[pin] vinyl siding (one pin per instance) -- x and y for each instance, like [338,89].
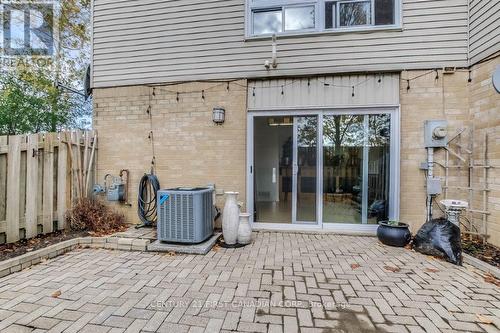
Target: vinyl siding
[309,93]
[484,29]
[152,41]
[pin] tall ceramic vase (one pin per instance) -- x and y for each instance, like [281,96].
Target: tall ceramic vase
[244,230]
[230,218]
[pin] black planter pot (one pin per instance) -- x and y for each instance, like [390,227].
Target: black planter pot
[394,235]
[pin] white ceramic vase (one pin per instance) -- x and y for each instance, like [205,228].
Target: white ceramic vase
[244,229]
[230,218]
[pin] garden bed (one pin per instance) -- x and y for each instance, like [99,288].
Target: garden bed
[23,246]
[484,252]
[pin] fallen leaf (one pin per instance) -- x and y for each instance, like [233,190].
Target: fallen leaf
[216,248]
[489,278]
[171,254]
[56,294]
[392,269]
[431,270]
[484,319]
[354,266]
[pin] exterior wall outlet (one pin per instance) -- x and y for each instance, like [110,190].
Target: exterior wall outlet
[435,133]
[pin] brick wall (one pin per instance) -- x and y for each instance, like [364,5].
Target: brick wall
[473,106]
[485,116]
[430,97]
[190,149]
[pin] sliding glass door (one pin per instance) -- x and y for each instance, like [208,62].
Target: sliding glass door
[322,169]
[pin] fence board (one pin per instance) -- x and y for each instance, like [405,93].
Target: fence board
[32,186]
[48,184]
[39,195]
[41,175]
[3,179]
[13,188]
[62,182]
[22,189]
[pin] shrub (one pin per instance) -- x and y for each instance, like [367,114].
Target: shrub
[92,215]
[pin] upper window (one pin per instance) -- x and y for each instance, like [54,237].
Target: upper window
[268,17]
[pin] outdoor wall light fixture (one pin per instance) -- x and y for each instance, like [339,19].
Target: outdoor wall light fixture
[218,115]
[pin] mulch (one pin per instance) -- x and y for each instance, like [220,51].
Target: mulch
[8,251]
[485,252]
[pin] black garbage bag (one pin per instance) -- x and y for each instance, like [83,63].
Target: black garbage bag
[440,238]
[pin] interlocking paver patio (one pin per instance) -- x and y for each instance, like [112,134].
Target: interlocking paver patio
[283,282]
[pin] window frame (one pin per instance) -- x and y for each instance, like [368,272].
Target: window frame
[252,5]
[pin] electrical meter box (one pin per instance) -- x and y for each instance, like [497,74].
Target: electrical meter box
[436,133]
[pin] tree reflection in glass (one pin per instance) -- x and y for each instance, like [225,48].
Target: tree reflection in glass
[354,13]
[307,145]
[379,144]
[343,140]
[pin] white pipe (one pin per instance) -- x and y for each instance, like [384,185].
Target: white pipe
[275,52]
[430,162]
[430,174]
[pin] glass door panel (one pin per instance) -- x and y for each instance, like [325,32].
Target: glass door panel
[273,162]
[343,142]
[306,168]
[379,145]
[356,168]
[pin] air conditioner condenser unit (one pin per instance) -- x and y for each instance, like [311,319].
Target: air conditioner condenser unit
[185,215]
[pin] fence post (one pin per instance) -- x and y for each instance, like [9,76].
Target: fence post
[13,190]
[32,186]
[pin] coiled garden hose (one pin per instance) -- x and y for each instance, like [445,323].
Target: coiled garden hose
[146,201]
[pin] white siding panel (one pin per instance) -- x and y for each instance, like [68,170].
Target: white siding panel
[484,29]
[324,91]
[151,41]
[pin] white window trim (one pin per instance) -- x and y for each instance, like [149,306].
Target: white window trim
[319,18]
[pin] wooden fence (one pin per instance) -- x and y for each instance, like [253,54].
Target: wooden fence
[40,176]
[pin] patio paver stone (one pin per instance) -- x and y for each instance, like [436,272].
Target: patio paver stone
[283,282]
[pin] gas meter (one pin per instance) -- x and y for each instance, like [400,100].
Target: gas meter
[115,189]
